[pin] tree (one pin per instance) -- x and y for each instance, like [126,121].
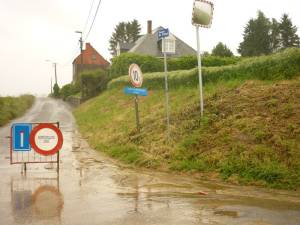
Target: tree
[124,32]
[288,33]
[221,50]
[257,40]
[275,35]
[56,90]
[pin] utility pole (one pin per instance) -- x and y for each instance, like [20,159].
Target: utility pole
[54,64]
[51,85]
[81,59]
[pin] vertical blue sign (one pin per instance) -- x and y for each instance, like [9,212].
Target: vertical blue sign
[20,136]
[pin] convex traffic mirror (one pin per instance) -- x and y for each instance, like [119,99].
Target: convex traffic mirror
[202,13]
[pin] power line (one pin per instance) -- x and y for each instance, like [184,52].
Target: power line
[87,20]
[93,20]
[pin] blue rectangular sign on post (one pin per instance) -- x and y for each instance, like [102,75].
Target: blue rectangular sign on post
[135,91]
[163,33]
[20,136]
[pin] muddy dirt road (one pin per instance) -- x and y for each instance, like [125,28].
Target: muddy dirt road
[90,189]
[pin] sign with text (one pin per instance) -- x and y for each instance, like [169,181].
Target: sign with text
[163,33]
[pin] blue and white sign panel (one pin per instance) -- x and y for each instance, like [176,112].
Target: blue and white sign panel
[163,33]
[20,136]
[135,91]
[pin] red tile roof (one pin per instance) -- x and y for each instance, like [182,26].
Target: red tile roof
[91,57]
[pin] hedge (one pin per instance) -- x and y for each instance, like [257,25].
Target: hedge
[93,82]
[13,107]
[282,65]
[120,64]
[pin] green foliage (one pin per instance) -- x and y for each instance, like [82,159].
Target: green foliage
[148,63]
[257,40]
[282,65]
[68,90]
[56,91]
[125,32]
[13,107]
[93,82]
[221,50]
[288,33]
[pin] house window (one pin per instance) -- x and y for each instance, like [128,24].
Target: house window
[169,45]
[93,57]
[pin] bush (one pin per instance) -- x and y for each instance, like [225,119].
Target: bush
[284,65]
[13,107]
[120,64]
[68,90]
[148,63]
[93,82]
[56,91]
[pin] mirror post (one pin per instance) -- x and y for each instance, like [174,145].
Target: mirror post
[199,71]
[166,91]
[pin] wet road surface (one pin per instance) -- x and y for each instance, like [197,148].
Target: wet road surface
[91,189]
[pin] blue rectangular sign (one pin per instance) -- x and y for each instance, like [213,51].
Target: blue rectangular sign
[163,33]
[135,91]
[20,136]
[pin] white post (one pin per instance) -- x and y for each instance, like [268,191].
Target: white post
[199,70]
[166,90]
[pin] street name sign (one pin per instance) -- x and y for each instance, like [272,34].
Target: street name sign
[135,91]
[163,33]
[20,136]
[135,75]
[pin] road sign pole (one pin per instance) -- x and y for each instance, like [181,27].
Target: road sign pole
[167,92]
[199,70]
[136,104]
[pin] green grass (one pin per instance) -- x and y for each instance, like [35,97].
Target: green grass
[250,132]
[13,107]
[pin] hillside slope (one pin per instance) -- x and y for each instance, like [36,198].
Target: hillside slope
[250,132]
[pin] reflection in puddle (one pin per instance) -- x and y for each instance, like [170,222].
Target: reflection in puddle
[233,214]
[36,199]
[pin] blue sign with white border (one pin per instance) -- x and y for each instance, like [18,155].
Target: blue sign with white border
[136,91]
[163,33]
[20,136]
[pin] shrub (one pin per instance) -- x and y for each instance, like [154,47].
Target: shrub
[13,107]
[120,64]
[68,90]
[93,82]
[56,90]
[284,65]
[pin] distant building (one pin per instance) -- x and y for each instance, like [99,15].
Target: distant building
[149,44]
[91,60]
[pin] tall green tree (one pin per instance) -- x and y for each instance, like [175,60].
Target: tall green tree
[288,33]
[275,35]
[257,40]
[221,50]
[124,32]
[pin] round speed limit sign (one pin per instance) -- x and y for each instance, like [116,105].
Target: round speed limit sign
[135,75]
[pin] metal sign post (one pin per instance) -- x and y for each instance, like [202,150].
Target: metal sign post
[162,34]
[167,94]
[136,79]
[199,71]
[202,17]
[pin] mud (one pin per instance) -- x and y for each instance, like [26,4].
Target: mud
[92,189]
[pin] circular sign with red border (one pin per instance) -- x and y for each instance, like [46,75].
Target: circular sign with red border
[46,139]
[135,75]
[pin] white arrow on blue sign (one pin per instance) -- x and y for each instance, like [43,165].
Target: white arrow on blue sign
[135,91]
[163,33]
[20,136]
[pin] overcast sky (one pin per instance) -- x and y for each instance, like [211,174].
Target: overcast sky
[33,31]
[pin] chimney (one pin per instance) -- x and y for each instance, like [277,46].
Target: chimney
[149,27]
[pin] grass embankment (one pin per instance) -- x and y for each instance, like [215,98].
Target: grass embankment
[250,132]
[13,107]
